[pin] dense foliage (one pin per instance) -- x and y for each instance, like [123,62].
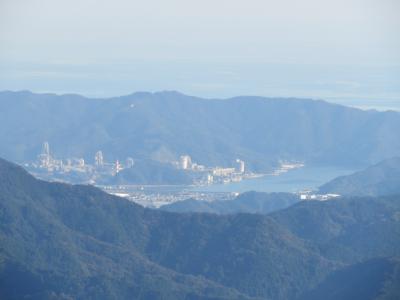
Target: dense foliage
[377,278]
[377,180]
[60,241]
[165,125]
[150,172]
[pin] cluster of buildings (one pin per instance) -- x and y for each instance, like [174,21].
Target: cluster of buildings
[48,165]
[46,162]
[51,164]
[311,195]
[214,174]
[156,196]
[115,167]
[59,169]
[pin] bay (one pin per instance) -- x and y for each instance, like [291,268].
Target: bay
[308,177]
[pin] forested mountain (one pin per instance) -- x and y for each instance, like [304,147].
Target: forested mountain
[76,242]
[380,179]
[382,276]
[150,172]
[64,241]
[347,229]
[248,202]
[165,125]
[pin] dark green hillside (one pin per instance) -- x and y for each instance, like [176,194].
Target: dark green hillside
[59,241]
[234,251]
[347,229]
[250,252]
[373,279]
[78,231]
[64,241]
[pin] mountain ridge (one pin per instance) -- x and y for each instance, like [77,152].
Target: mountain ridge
[77,239]
[165,125]
[380,179]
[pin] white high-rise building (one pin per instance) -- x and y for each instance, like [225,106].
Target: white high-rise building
[81,163]
[99,159]
[130,162]
[185,162]
[46,148]
[117,167]
[240,167]
[44,157]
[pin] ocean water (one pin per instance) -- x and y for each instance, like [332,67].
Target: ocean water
[366,87]
[292,181]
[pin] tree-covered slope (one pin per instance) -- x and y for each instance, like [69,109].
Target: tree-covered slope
[65,242]
[377,180]
[238,251]
[347,229]
[377,278]
[76,241]
[150,172]
[165,125]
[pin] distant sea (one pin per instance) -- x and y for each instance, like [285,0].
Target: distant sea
[292,181]
[362,86]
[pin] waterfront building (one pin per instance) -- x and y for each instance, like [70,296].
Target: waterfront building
[240,166]
[130,162]
[185,162]
[223,171]
[99,159]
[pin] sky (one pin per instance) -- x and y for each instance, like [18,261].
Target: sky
[343,50]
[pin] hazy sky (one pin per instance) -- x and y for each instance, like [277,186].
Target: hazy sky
[37,37]
[306,31]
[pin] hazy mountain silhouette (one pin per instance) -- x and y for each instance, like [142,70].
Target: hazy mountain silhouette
[380,179]
[165,125]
